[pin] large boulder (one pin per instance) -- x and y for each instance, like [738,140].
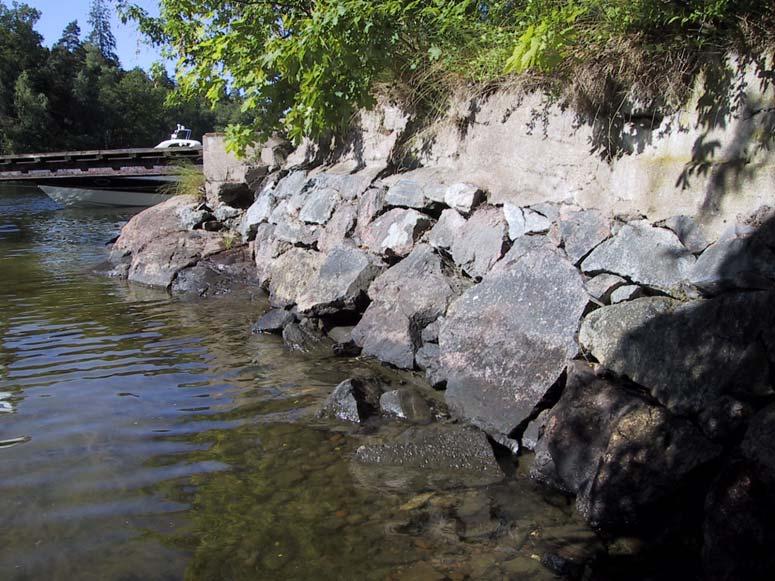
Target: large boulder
[395,233]
[405,298]
[153,223]
[686,354]
[581,231]
[291,274]
[738,535]
[340,282]
[618,452]
[646,255]
[481,241]
[505,341]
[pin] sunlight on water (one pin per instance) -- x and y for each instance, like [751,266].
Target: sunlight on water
[148,437]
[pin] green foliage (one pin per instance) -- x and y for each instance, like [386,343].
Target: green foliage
[305,66]
[76,95]
[190,182]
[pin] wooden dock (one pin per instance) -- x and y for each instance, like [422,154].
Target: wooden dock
[46,167]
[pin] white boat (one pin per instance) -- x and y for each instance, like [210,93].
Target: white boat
[95,198]
[181,137]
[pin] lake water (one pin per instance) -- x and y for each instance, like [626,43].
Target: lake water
[151,437]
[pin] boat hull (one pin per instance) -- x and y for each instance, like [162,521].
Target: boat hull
[95,198]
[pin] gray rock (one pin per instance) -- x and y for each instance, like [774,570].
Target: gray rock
[581,231]
[224,213]
[406,404]
[342,334]
[601,286]
[193,216]
[737,531]
[350,186]
[395,233]
[759,444]
[626,293]
[737,263]
[524,221]
[616,451]
[370,205]
[437,447]
[428,358]
[724,419]
[505,341]
[407,193]
[646,255]
[686,354]
[265,249]
[351,401]
[291,185]
[420,286]
[386,333]
[257,213]
[339,283]
[688,232]
[301,336]
[463,197]
[448,227]
[291,274]
[338,229]
[550,211]
[273,321]
[482,241]
[279,213]
[162,259]
[430,334]
[406,298]
[297,232]
[319,206]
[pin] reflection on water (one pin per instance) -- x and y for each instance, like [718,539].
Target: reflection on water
[148,437]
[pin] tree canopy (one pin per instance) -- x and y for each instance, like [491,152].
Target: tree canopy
[76,95]
[305,66]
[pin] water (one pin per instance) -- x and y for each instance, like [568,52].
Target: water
[152,437]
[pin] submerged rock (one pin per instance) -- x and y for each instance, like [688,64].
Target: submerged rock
[273,321]
[505,341]
[438,447]
[406,404]
[351,401]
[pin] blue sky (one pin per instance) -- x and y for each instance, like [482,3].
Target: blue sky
[131,47]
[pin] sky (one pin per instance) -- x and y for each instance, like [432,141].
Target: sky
[133,50]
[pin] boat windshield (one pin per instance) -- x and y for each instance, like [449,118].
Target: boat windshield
[181,133]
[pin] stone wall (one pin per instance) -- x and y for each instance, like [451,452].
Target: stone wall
[614,314]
